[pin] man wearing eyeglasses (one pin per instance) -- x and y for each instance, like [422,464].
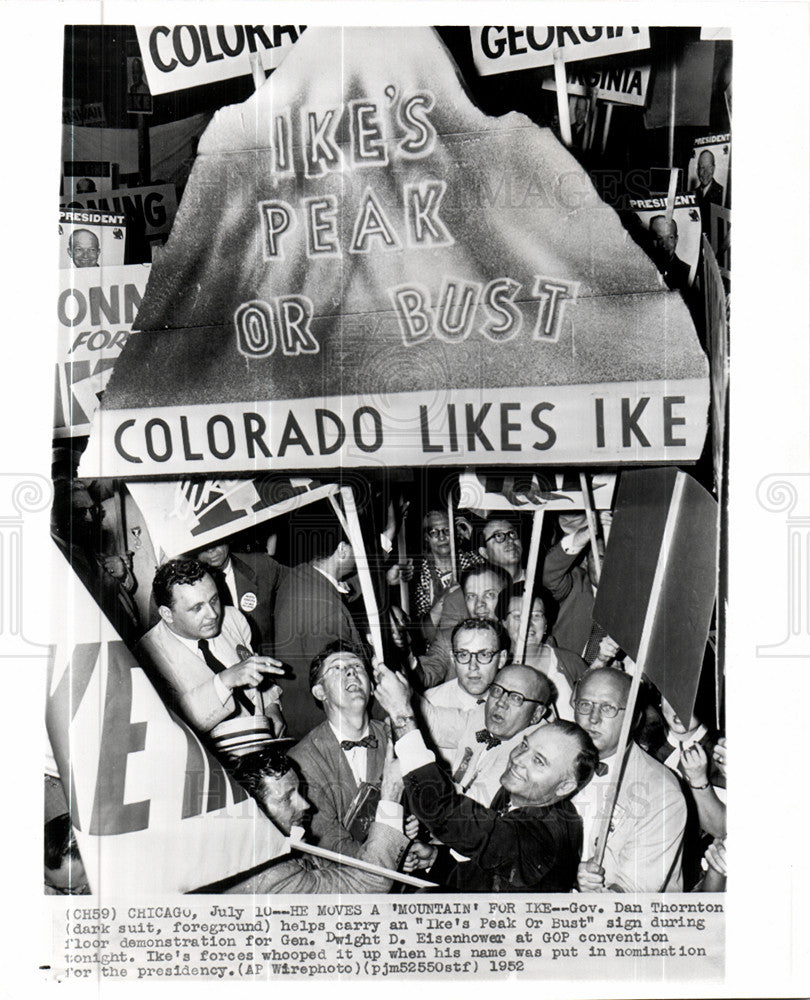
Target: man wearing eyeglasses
[478,648]
[344,754]
[502,550]
[501,546]
[477,597]
[643,851]
[477,743]
[528,839]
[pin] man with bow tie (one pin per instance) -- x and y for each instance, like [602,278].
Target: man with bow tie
[530,837]
[341,760]
[643,852]
[483,737]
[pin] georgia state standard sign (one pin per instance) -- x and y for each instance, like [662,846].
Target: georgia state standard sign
[506,49]
[367,270]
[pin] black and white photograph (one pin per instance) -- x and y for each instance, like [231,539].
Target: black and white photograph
[388,528]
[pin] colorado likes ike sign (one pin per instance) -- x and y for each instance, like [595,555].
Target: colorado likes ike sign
[506,49]
[188,55]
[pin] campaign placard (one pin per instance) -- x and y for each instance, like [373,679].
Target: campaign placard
[139,100]
[188,55]
[707,173]
[151,208]
[618,84]
[506,49]
[675,245]
[90,238]
[95,312]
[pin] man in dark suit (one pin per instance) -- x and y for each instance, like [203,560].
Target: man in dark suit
[530,838]
[311,612]
[708,192]
[345,754]
[248,581]
[664,239]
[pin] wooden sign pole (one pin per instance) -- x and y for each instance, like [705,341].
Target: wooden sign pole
[451,526]
[591,519]
[673,184]
[365,866]
[563,111]
[528,586]
[355,536]
[402,555]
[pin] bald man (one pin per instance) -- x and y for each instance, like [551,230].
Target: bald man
[83,248]
[664,240]
[646,830]
[482,738]
[708,192]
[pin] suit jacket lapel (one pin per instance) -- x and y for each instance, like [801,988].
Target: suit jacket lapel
[330,748]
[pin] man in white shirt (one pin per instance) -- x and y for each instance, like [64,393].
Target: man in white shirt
[477,648]
[199,653]
[643,852]
[483,737]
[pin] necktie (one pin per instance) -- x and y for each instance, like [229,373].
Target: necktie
[484,736]
[239,697]
[225,595]
[461,770]
[369,742]
[601,769]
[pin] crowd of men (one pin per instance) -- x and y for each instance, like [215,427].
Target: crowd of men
[472,767]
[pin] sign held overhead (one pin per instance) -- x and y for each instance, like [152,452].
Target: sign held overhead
[506,49]
[188,55]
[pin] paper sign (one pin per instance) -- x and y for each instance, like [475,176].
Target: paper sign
[186,515]
[152,810]
[95,311]
[505,49]
[659,576]
[618,84]
[91,239]
[556,491]
[675,248]
[151,209]
[188,55]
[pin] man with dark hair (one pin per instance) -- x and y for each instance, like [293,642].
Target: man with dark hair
[199,653]
[342,759]
[643,851]
[529,839]
[501,546]
[476,597]
[83,248]
[478,648]
[248,581]
[271,780]
[310,613]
